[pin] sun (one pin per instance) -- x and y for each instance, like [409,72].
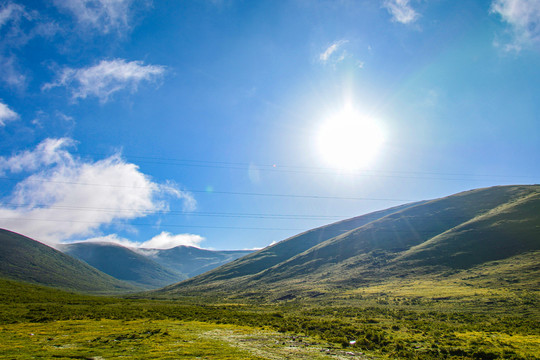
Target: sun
[349,141]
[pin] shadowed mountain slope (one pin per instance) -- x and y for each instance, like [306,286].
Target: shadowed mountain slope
[24,259]
[449,234]
[123,263]
[150,268]
[193,261]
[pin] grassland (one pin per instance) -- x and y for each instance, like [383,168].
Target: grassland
[156,339]
[38,322]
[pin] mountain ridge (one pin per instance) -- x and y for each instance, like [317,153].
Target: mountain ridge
[149,268]
[301,242]
[123,263]
[25,259]
[505,217]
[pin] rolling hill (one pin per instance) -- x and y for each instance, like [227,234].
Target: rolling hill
[450,235]
[123,263]
[24,259]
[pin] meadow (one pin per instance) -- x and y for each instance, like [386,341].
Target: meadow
[39,322]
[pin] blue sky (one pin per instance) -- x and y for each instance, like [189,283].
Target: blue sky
[155,124]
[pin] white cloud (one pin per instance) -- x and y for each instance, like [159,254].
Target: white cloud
[63,196]
[102,15]
[6,114]
[325,55]
[106,78]
[523,16]
[401,11]
[111,238]
[165,240]
[48,152]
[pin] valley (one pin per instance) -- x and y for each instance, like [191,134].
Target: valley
[270,180]
[451,278]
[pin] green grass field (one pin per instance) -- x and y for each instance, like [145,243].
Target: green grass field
[386,322]
[156,339]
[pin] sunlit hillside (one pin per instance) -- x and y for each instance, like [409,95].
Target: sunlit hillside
[437,239]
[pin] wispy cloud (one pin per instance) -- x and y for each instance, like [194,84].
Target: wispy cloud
[523,16]
[102,15]
[331,50]
[62,196]
[11,12]
[10,72]
[164,240]
[6,114]
[106,78]
[19,25]
[10,35]
[401,11]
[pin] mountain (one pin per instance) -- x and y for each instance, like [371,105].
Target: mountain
[123,263]
[285,250]
[193,261]
[24,259]
[149,268]
[454,234]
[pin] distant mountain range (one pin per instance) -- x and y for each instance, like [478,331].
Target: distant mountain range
[94,267]
[150,268]
[449,235]
[123,263]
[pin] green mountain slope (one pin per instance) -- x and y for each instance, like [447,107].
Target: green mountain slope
[380,241]
[510,229]
[124,264]
[289,248]
[445,235]
[24,259]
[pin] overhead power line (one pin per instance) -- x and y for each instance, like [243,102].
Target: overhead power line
[430,175]
[161,225]
[217,192]
[179,212]
[378,231]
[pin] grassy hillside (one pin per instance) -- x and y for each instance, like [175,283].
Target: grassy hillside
[289,248]
[436,237]
[124,264]
[22,258]
[509,229]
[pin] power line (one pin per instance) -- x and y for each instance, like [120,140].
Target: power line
[161,225]
[385,231]
[179,212]
[311,169]
[217,192]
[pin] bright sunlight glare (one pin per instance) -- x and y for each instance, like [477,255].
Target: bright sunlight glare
[349,141]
